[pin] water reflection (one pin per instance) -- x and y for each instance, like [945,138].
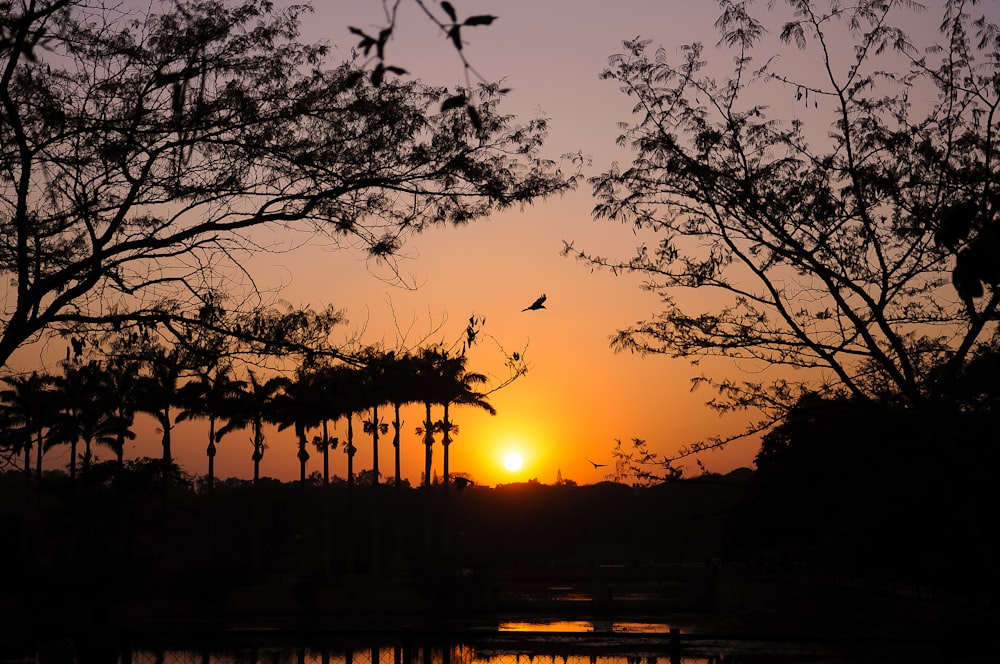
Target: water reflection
[516,642]
[454,654]
[582,626]
[548,626]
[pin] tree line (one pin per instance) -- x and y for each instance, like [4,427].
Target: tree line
[849,247]
[146,153]
[105,383]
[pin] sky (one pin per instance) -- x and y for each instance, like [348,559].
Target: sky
[578,397]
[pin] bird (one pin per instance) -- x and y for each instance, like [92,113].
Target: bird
[596,465]
[536,305]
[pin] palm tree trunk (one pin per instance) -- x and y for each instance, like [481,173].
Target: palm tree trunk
[350,451]
[428,444]
[375,445]
[38,454]
[326,455]
[445,443]
[72,460]
[258,449]
[349,554]
[164,418]
[396,426]
[303,453]
[211,453]
[86,455]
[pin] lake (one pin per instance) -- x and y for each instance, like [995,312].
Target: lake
[509,641]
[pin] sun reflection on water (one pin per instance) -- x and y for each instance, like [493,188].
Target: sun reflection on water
[581,626]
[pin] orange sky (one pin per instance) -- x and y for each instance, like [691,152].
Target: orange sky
[578,396]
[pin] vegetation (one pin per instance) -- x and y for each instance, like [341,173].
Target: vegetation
[142,151]
[98,397]
[840,205]
[128,548]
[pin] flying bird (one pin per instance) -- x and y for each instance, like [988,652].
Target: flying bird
[596,465]
[536,305]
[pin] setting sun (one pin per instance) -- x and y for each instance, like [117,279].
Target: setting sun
[513,461]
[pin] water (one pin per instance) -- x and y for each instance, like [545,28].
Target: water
[510,642]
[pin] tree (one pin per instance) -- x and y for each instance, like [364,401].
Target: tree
[442,379]
[123,380]
[26,406]
[297,406]
[427,374]
[140,152]
[457,388]
[210,395]
[861,482]
[400,373]
[334,387]
[856,241]
[157,390]
[374,390]
[448,23]
[84,400]
[251,407]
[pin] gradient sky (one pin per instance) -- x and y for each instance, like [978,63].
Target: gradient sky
[578,397]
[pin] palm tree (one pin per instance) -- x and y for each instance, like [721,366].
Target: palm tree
[401,388]
[333,385]
[84,398]
[341,392]
[16,438]
[373,389]
[157,391]
[297,406]
[428,378]
[252,407]
[26,407]
[457,388]
[209,396]
[122,374]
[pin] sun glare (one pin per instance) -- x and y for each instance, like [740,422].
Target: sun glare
[513,461]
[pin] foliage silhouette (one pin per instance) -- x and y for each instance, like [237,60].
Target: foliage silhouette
[26,410]
[141,151]
[854,242]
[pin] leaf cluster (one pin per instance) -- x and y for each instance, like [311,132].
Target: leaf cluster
[855,240]
[145,156]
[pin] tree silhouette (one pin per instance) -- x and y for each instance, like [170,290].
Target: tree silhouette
[355,401]
[428,377]
[209,396]
[374,389]
[401,388]
[84,401]
[157,390]
[250,408]
[298,406]
[824,242]
[123,379]
[335,385]
[140,150]
[442,379]
[26,406]
[457,388]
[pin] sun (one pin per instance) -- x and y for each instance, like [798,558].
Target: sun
[513,461]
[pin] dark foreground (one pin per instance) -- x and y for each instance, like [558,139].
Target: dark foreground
[145,559]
